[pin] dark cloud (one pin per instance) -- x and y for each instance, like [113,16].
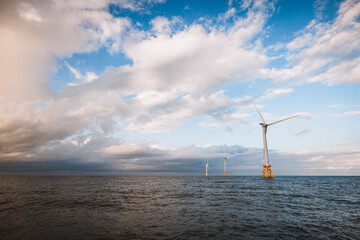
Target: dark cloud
[97,156]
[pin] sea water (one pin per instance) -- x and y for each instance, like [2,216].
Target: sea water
[159,207]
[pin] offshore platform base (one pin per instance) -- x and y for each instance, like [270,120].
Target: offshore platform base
[267,172]
[225,173]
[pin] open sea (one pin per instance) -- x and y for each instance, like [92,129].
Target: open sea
[159,207]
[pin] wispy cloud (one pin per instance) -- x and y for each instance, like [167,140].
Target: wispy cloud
[300,132]
[305,115]
[351,113]
[274,92]
[320,6]
[339,105]
[90,76]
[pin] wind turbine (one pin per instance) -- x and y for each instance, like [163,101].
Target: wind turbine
[207,167]
[267,172]
[225,172]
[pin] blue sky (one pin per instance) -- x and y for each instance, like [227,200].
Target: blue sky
[159,87]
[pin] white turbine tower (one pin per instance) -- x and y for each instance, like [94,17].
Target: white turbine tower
[267,172]
[225,172]
[207,167]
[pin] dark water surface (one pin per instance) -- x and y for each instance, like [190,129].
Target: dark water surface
[142,207]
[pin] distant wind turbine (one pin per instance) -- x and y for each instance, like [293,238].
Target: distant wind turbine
[267,172]
[225,172]
[207,167]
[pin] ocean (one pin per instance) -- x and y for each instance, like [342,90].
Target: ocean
[169,207]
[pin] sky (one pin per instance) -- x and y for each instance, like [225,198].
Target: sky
[161,86]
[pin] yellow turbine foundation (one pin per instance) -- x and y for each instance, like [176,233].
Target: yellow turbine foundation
[225,173]
[267,172]
[206,174]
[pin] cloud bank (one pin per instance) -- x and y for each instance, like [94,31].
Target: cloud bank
[177,73]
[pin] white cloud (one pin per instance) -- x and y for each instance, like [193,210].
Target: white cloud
[28,12]
[320,6]
[347,71]
[245,4]
[226,118]
[58,29]
[231,13]
[327,162]
[89,77]
[300,42]
[347,143]
[132,151]
[76,73]
[316,158]
[305,115]
[272,93]
[351,113]
[161,25]
[325,52]
[339,105]
[176,75]
[300,132]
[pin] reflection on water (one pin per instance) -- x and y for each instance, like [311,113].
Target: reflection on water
[137,207]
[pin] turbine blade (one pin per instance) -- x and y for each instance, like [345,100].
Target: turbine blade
[282,120]
[259,113]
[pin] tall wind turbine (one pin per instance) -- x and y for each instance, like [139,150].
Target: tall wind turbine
[207,167]
[225,172]
[267,172]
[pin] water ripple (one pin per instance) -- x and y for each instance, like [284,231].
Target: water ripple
[127,207]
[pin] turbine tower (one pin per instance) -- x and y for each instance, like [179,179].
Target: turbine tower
[225,172]
[207,167]
[267,172]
